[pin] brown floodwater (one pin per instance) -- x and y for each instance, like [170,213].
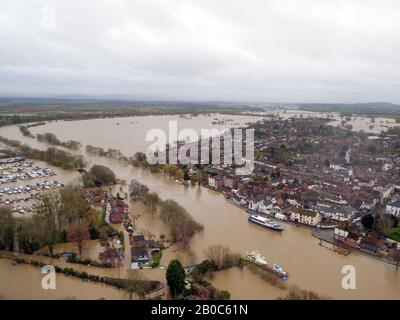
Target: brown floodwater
[23,282]
[310,266]
[129,134]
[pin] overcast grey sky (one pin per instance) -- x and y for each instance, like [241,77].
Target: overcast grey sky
[248,50]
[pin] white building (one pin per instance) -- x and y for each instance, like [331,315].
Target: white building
[256,201]
[393,208]
[304,216]
[341,232]
[386,191]
[264,207]
[211,182]
[336,167]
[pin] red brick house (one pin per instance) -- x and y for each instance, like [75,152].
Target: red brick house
[117,215]
[112,257]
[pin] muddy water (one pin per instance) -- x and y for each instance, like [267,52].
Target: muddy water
[129,134]
[310,266]
[24,282]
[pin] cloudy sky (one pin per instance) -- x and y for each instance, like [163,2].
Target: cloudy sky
[227,50]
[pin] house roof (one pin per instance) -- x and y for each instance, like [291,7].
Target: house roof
[110,253]
[138,238]
[117,210]
[258,198]
[305,212]
[395,204]
[138,252]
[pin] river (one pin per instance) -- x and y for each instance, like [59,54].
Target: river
[310,266]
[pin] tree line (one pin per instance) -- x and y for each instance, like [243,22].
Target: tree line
[62,216]
[53,156]
[52,139]
[181,224]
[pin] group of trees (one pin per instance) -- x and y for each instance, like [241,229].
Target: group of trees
[99,175]
[110,153]
[62,216]
[176,276]
[223,257]
[139,159]
[386,225]
[138,191]
[172,170]
[26,132]
[7,228]
[51,138]
[55,157]
[295,293]
[137,284]
[182,225]
[380,224]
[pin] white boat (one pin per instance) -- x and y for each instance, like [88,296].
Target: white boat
[282,273]
[265,222]
[255,256]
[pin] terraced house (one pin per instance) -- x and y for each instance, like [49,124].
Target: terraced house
[305,216]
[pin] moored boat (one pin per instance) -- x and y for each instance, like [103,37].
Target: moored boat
[258,259]
[282,273]
[265,222]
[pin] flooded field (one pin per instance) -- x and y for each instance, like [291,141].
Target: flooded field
[129,134]
[358,123]
[24,282]
[310,266]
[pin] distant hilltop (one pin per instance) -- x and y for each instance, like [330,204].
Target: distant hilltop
[370,108]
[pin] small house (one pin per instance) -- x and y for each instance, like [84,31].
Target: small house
[139,258]
[305,216]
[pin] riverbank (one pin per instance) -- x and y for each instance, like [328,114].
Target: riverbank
[329,238]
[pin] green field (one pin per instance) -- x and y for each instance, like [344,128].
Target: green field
[394,234]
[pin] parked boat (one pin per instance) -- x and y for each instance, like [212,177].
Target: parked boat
[259,260]
[282,273]
[256,257]
[265,222]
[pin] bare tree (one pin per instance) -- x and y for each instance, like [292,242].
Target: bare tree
[137,284]
[396,257]
[152,200]
[222,256]
[76,208]
[138,191]
[49,211]
[295,293]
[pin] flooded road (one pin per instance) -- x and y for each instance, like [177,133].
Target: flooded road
[310,266]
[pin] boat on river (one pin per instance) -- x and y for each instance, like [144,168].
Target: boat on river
[265,222]
[253,256]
